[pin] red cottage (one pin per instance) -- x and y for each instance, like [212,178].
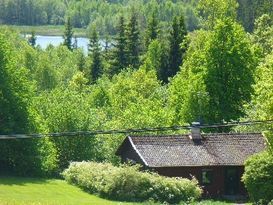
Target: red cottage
[216,160]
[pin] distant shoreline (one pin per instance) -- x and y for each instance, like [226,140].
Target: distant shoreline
[48,30]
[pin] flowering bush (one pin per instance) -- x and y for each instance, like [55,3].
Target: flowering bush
[130,184]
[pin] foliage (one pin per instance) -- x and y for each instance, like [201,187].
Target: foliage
[95,53]
[261,106]
[128,183]
[177,50]
[263,34]
[29,156]
[137,100]
[103,14]
[152,29]
[65,110]
[258,173]
[259,168]
[133,41]
[119,53]
[250,10]
[216,79]
[156,59]
[54,67]
[68,34]
[32,39]
[213,10]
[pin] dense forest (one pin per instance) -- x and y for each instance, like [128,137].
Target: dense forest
[105,14]
[169,63]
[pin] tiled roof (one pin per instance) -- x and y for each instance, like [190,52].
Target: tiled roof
[212,150]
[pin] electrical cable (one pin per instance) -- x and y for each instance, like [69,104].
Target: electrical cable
[135,130]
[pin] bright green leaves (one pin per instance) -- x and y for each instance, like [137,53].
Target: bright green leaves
[216,78]
[230,68]
[213,10]
[27,156]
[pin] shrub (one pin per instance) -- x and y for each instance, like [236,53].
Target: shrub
[258,177]
[130,184]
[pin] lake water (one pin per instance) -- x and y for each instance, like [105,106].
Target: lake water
[44,41]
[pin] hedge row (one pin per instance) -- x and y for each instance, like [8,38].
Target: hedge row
[130,184]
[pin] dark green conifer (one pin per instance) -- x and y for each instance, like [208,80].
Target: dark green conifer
[32,39]
[133,41]
[68,34]
[177,50]
[152,29]
[95,53]
[119,57]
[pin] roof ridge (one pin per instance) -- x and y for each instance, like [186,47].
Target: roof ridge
[205,134]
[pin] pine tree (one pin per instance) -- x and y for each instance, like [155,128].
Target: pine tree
[32,39]
[133,41]
[75,43]
[152,29]
[68,34]
[119,57]
[95,53]
[177,51]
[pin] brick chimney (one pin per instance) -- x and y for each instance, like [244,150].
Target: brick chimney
[195,131]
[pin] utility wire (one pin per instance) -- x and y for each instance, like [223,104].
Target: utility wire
[137,130]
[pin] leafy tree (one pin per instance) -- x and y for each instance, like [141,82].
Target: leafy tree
[188,94]
[177,50]
[259,168]
[156,59]
[261,104]
[68,34]
[95,53]
[217,76]
[263,34]
[120,58]
[211,10]
[133,41]
[54,67]
[30,156]
[231,67]
[68,110]
[136,100]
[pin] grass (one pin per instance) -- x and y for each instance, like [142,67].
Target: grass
[29,191]
[32,191]
[48,30]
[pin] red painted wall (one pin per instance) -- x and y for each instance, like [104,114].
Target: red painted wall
[215,189]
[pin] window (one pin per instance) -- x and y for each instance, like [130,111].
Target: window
[206,176]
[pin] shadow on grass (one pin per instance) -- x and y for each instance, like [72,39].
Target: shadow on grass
[15,180]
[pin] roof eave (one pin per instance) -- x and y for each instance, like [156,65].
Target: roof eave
[137,151]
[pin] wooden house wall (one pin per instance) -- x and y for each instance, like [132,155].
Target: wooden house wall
[216,188]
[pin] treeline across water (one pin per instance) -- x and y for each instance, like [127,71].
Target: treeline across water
[105,14]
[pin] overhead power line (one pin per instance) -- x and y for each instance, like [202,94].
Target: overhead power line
[136,130]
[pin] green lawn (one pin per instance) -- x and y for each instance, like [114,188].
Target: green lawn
[25,191]
[31,191]
[48,30]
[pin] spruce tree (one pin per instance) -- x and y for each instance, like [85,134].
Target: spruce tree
[32,39]
[68,34]
[133,41]
[152,29]
[178,34]
[95,53]
[119,57]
